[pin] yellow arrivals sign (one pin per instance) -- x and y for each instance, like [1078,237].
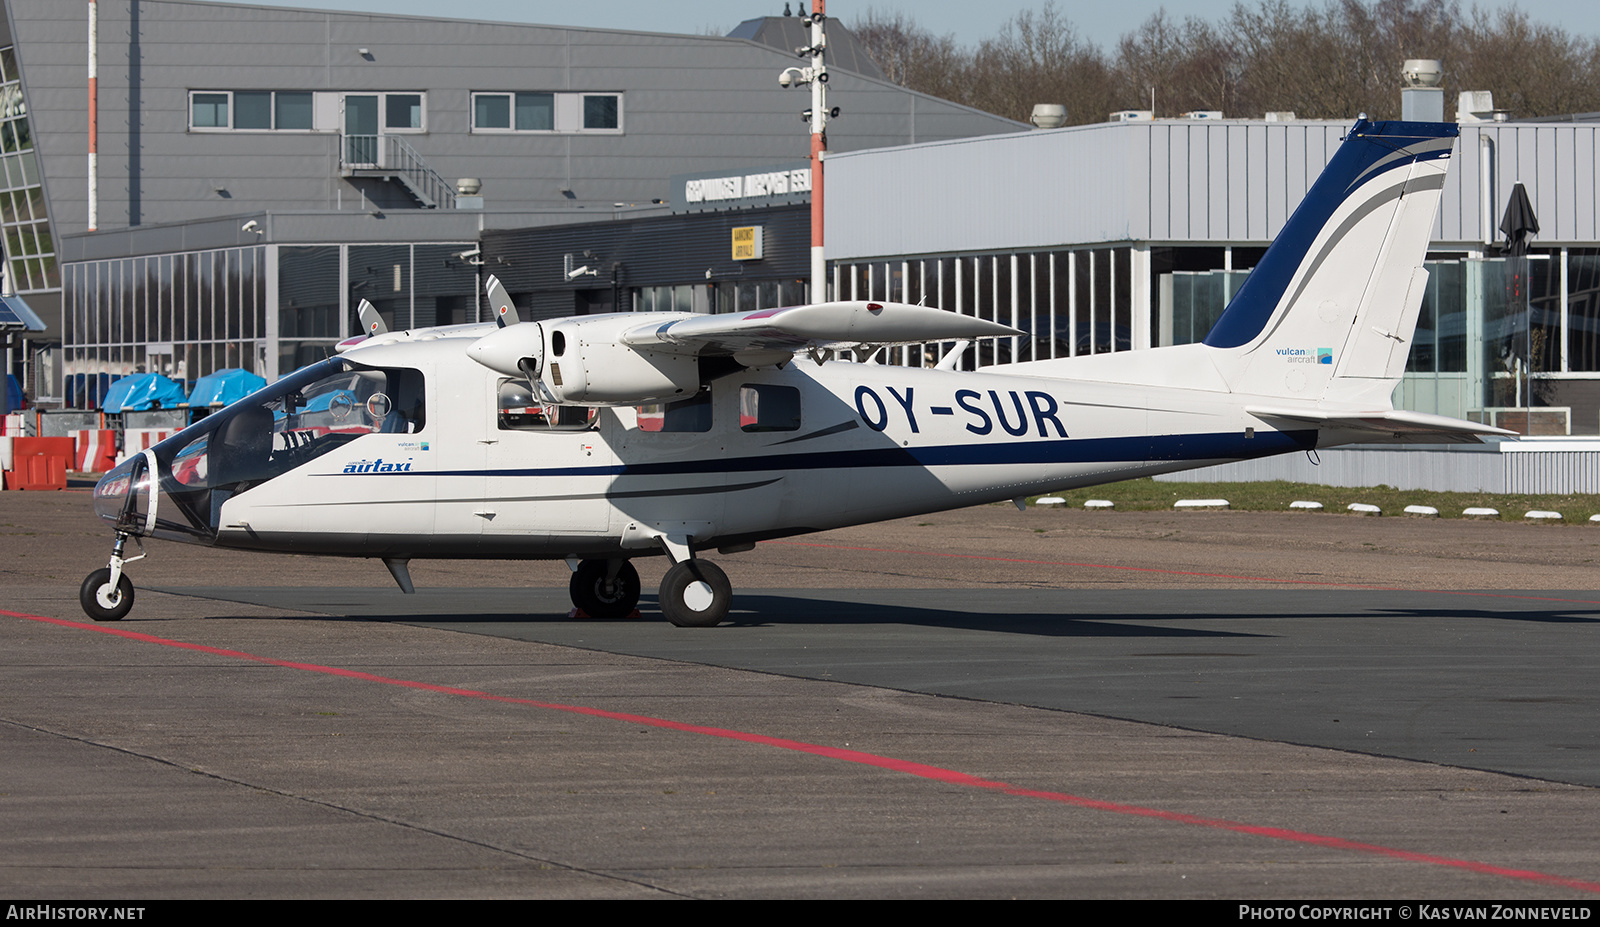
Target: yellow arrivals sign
[747,243]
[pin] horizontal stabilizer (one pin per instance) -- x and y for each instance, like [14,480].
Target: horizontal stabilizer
[1392,424]
[822,325]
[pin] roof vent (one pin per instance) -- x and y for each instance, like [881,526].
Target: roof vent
[1048,116]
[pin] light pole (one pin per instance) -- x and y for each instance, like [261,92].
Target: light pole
[817,116]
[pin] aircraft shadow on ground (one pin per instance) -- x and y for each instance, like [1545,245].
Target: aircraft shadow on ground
[750,611]
[758,610]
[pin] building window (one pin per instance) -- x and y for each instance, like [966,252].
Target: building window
[210,111]
[562,113]
[600,111]
[402,111]
[292,110]
[297,111]
[250,110]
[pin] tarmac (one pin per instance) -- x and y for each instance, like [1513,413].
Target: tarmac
[975,704]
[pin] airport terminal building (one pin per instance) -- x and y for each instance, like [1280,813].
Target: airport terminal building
[262,170]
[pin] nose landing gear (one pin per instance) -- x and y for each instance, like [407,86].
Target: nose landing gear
[107,594]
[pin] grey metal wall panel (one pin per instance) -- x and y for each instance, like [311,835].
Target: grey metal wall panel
[1159,212]
[1577,180]
[1556,162]
[1164,181]
[1198,188]
[1256,222]
[1176,181]
[690,103]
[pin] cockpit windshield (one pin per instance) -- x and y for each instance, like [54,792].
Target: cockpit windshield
[290,423]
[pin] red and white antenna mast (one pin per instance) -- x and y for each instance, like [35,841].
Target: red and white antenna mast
[94,115]
[818,115]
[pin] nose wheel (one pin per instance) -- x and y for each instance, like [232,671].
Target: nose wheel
[107,593]
[104,600]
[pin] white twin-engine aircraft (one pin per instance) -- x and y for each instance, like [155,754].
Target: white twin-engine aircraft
[597,439]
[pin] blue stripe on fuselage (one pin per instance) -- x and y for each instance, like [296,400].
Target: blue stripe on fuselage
[1224,446]
[1368,143]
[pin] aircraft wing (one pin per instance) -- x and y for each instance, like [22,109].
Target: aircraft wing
[1392,424]
[821,325]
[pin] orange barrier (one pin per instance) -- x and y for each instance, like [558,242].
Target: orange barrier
[39,463]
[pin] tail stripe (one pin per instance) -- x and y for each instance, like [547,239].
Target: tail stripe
[1369,150]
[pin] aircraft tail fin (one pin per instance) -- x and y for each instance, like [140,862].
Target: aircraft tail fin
[1329,312]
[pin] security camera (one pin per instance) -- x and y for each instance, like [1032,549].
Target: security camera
[251,226]
[788,77]
[577,272]
[470,257]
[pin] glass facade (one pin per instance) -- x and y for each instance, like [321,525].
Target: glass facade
[1067,302]
[189,314]
[29,245]
[721,296]
[179,315]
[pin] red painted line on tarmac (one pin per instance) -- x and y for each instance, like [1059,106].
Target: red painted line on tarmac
[907,767]
[1134,569]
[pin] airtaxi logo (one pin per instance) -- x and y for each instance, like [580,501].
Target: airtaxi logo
[1306,355]
[378,466]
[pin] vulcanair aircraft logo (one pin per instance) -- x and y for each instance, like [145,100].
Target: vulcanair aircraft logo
[1306,355]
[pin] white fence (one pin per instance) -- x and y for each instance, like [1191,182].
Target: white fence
[1530,465]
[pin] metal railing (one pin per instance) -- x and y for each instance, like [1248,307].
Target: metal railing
[390,156]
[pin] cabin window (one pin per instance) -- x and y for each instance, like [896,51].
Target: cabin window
[520,410]
[764,407]
[688,415]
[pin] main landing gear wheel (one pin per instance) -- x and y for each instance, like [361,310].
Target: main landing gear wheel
[695,594]
[103,601]
[599,598]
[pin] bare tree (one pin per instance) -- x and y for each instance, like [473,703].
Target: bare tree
[1533,69]
[1039,57]
[1328,62]
[1177,67]
[910,55]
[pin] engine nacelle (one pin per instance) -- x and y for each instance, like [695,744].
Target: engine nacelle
[580,361]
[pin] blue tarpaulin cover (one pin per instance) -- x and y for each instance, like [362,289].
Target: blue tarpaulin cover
[141,391]
[225,386]
[12,400]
